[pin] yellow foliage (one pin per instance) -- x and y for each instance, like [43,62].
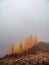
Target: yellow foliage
[29,42]
[20,48]
[35,41]
[11,49]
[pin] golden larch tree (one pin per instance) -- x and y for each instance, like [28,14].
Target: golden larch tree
[31,41]
[16,50]
[35,40]
[27,43]
[12,48]
[20,48]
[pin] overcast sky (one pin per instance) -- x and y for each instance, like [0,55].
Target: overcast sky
[20,18]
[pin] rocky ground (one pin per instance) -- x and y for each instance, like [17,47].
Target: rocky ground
[40,59]
[38,55]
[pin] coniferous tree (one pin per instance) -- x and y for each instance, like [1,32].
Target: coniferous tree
[20,48]
[27,43]
[35,40]
[12,48]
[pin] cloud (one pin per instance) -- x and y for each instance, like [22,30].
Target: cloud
[20,18]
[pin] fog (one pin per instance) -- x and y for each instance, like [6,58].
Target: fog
[20,18]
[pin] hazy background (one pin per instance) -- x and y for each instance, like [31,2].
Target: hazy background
[20,18]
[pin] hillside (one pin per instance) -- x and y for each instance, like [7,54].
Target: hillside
[36,55]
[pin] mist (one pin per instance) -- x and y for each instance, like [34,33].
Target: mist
[20,18]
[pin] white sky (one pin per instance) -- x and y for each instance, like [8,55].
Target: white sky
[20,18]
